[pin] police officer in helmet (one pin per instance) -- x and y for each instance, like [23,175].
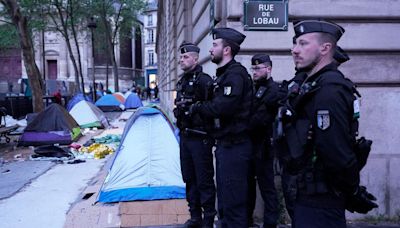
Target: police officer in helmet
[230,110]
[195,143]
[320,132]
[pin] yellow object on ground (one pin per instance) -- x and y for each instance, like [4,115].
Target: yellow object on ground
[99,150]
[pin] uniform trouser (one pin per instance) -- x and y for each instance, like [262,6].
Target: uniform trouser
[263,168]
[289,189]
[310,217]
[232,188]
[198,174]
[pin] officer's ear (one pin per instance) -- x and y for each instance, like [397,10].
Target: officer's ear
[269,69]
[227,50]
[326,48]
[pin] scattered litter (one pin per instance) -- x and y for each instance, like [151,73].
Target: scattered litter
[88,195]
[6,171]
[75,146]
[76,161]
[82,155]
[88,130]
[18,156]
[52,153]
[108,139]
[99,150]
[89,142]
[57,161]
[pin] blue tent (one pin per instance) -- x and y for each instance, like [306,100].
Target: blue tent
[133,101]
[109,103]
[75,100]
[146,165]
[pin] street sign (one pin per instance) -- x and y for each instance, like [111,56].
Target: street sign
[266,15]
[212,14]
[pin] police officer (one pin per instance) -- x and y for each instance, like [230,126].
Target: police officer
[195,144]
[320,131]
[230,110]
[287,178]
[264,110]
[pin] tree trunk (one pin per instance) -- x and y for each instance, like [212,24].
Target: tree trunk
[74,35]
[107,74]
[79,61]
[110,47]
[76,71]
[65,33]
[34,77]
[115,69]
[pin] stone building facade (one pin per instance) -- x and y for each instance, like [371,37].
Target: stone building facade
[150,55]
[371,40]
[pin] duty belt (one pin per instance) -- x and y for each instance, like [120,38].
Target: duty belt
[189,132]
[232,139]
[307,185]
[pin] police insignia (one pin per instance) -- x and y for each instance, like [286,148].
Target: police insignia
[301,28]
[260,91]
[356,108]
[227,90]
[323,119]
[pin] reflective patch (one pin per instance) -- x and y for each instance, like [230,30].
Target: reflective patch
[323,119]
[301,28]
[227,90]
[356,108]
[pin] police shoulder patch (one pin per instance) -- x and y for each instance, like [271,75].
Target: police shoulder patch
[323,119]
[260,92]
[227,90]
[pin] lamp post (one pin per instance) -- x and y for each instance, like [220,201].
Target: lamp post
[92,25]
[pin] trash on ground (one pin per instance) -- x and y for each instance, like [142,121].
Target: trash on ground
[99,150]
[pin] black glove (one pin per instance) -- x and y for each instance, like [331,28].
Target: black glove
[194,108]
[361,201]
[176,112]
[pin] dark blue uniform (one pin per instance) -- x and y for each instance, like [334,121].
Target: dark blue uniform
[264,111]
[230,110]
[196,147]
[280,147]
[329,170]
[321,128]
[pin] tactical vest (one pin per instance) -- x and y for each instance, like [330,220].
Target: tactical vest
[235,125]
[188,93]
[302,156]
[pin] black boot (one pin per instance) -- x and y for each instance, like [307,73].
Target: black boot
[193,223]
[208,222]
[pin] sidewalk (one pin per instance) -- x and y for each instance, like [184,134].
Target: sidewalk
[151,214]
[44,202]
[84,213]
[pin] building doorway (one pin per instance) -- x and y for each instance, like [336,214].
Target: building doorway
[52,69]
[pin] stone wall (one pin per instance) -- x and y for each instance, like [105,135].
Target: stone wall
[371,40]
